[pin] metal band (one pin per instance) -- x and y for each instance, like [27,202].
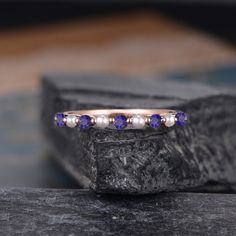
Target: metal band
[128,112]
[120,118]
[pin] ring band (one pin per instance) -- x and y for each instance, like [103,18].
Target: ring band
[120,118]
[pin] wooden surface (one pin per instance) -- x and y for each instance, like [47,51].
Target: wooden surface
[76,212]
[135,44]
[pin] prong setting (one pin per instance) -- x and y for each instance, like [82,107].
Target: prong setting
[93,121]
[163,120]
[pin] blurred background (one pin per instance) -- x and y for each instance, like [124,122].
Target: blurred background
[186,42]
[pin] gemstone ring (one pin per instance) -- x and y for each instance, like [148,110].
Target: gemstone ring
[120,118]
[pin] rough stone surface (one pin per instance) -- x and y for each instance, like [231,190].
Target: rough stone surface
[143,161]
[78,212]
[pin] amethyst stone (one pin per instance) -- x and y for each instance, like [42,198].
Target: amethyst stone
[155,121]
[59,119]
[120,122]
[85,122]
[181,118]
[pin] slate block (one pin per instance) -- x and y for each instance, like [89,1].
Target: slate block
[143,161]
[78,212]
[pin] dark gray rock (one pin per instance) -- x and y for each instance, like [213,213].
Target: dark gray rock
[78,212]
[143,161]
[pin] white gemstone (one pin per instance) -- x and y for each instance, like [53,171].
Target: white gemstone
[138,121]
[71,121]
[169,120]
[102,121]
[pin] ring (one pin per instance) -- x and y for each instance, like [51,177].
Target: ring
[120,118]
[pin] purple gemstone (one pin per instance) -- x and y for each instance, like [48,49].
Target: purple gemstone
[59,119]
[85,122]
[155,121]
[181,118]
[120,122]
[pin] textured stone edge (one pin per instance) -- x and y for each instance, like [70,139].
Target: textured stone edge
[197,179]
[79,212]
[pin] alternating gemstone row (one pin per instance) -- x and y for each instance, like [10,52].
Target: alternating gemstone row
[121,121]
